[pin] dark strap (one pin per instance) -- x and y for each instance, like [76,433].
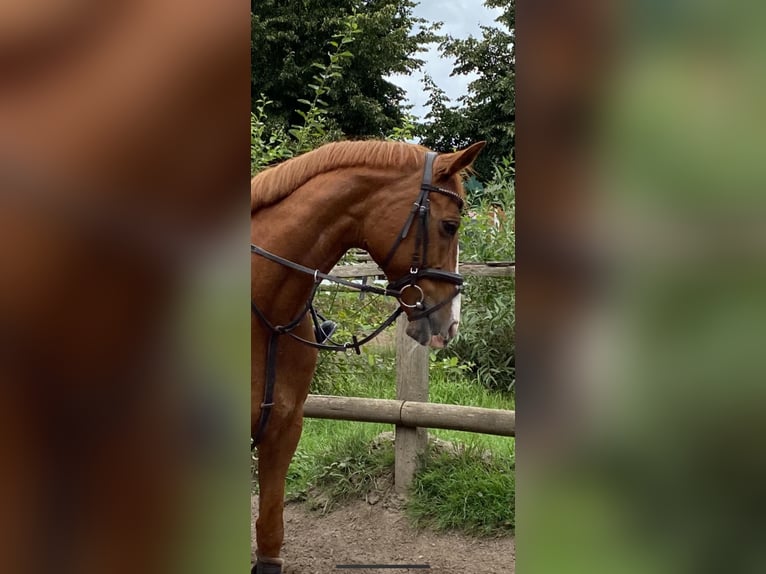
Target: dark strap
[417,208]
[422,237]
[268,390]
[356,344]
[446,192]
[435,274]
[421,208]
[319,276]
[290,327]
[271,359]
[292,324]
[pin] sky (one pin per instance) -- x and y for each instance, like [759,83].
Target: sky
[461,19]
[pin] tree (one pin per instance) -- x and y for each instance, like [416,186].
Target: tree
[488,111]
[288,36]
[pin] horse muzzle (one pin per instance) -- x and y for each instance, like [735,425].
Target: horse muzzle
[426,332]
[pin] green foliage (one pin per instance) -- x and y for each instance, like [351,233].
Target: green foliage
[266,146]
[486,339]
[338,374]
[372,374]
[488,111]
[288,36]
[313,129]
[450,368]
[488,233]
[270,142]
[406,131]
[468,491]
[499,192]
[353,316]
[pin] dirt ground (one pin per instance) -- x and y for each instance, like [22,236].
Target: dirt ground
[377,532]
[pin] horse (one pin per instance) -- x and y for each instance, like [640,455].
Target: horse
[398,201]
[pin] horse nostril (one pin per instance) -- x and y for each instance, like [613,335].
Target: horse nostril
[453,329]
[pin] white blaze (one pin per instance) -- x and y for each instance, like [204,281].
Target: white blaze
[455,305]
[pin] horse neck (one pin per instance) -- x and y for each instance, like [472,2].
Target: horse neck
[317,224]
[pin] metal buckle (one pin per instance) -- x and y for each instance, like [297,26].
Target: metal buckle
[417,305]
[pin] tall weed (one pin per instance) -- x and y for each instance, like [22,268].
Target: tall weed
[486,339]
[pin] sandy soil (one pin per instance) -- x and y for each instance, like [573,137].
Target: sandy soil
[377,532]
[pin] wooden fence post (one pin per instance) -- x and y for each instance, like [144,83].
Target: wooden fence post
[411,385]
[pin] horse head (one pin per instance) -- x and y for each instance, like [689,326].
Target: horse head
[420,257]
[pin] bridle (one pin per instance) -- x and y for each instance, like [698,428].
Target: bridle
[419,269]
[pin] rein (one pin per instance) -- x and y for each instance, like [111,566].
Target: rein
[419,269]
[318,278]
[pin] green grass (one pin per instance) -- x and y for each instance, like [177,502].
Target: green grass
[467,491]
[331,471]
[470,488]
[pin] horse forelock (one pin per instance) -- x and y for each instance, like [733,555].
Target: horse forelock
[276,183]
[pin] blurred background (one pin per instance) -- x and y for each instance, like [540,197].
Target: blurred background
[124,325]
[640,287]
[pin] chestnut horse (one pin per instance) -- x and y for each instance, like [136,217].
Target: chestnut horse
[399,202]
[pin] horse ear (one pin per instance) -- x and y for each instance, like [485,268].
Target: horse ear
[448,164]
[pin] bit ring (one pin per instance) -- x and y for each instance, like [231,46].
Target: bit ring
[415,305]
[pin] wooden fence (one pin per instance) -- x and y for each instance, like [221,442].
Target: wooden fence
[411,412]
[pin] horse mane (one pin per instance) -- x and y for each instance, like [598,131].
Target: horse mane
[276,183]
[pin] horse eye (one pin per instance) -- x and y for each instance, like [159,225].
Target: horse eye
[450,227]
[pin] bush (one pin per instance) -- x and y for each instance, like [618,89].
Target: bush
[486,339]
[270,143]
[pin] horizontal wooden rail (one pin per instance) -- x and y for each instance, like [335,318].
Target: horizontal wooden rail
[412,414]
[371,269]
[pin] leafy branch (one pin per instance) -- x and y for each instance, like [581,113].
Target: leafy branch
[269,144]
[315,119]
